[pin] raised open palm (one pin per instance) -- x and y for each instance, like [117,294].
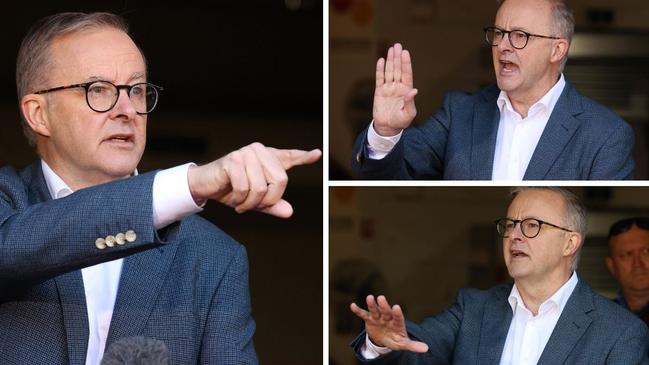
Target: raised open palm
[394,96]
[386,325]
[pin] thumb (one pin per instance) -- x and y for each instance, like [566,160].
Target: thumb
[281,209]
[290,158]
[410,96]
[415,346]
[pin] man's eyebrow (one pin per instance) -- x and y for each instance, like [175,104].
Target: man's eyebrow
[137,75]
[134,76]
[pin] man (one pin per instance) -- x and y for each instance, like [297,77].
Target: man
[533,125]
[90,250]
[548,316]
[628,262]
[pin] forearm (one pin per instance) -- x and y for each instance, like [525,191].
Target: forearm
[45,239]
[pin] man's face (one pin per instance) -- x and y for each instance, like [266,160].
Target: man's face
[85,146]
[525,74]
[629,259]
[545,256]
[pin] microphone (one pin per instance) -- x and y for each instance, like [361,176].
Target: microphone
[137,350]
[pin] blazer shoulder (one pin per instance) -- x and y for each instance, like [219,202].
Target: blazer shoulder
[612,314]
[14,186]
[463,98]
[498,292]
[597,114]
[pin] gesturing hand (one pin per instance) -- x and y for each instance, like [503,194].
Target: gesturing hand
[251,178]
[386,325]
[394,96]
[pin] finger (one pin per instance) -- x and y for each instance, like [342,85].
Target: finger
[389,66]
[384,308]
[415,346]
[397,62]
[373,307]
[281,209]
[398,320]
[256,180]
[291,158]
[275,174]
[238,180]
[360,312]
[406,69]
[380,72]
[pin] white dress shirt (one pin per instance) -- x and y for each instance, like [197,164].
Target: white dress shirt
[527,335]
[172,201]
[517,136]
[516,140]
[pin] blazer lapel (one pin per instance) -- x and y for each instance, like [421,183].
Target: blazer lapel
[485,131]
[495,325]
[572,324]
[138,293]
[561,126]
[70,285]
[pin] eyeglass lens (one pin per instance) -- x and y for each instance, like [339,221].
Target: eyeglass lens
[102,96]
[517,38]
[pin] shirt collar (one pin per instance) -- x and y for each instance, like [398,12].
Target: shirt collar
[558,299]
[56,186]
[547,102]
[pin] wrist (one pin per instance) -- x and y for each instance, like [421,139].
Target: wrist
[193,181]
[385,131]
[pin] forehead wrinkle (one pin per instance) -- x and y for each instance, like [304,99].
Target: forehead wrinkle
[134,76]
[534,14]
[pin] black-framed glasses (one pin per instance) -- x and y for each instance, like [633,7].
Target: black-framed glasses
[624,225]
[102,96]
[517,38]
[530,227]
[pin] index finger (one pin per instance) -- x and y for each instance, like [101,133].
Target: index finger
[290,158]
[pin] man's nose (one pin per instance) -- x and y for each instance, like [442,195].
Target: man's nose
[124,106]
[504,44]
[517,232]
[638,260]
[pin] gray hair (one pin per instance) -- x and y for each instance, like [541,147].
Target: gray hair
[564,21]
[33,56]
[575,213]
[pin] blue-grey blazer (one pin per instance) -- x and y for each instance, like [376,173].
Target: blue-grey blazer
[591,330]
[582,141]
[186,284]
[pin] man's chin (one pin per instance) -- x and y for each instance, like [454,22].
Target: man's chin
[506,84]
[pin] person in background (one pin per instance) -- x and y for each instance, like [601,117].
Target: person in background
[628,262]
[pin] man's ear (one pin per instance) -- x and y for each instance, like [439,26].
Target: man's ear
[34,109]
[559,50]
[573,244]
[609,265]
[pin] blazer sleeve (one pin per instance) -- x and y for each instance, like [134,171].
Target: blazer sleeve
[40,240]
[418,155]
[227,339]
